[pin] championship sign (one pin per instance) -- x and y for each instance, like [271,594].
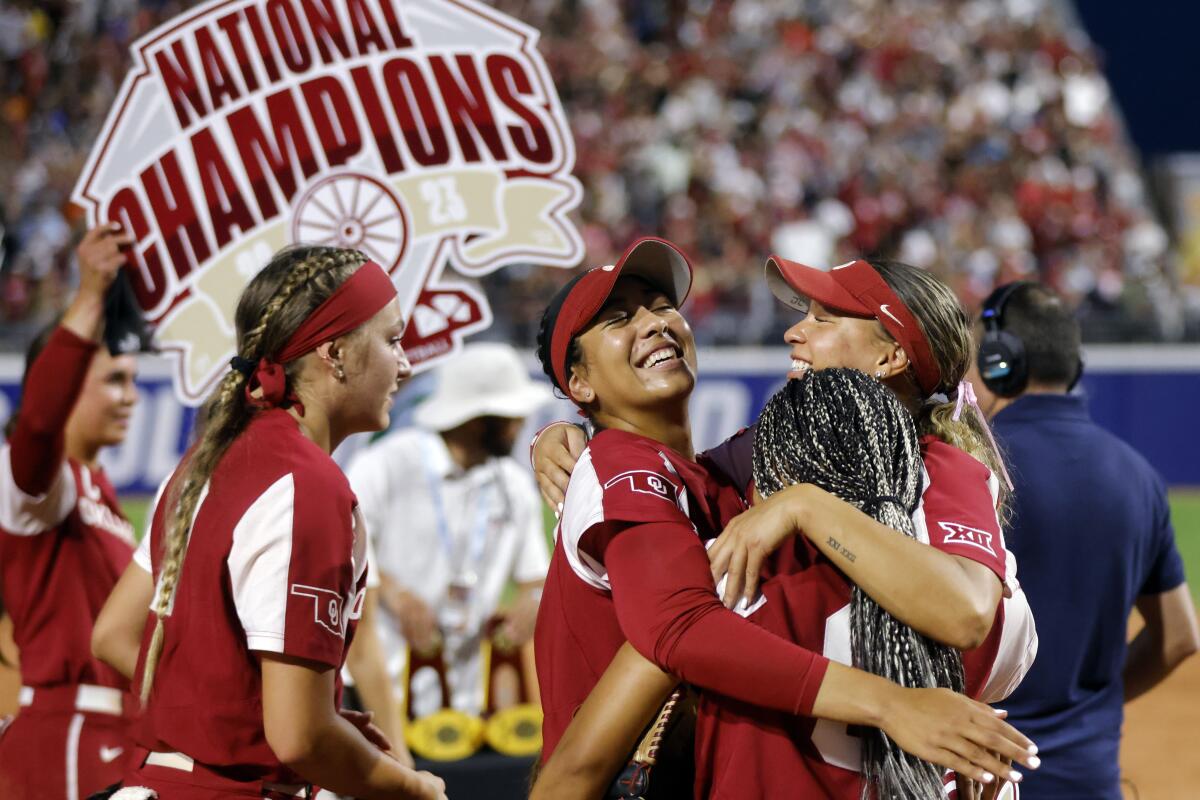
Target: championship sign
[421,132]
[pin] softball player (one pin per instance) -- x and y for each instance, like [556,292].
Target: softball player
[946,591]
[615,343]
[63,542]
[258,551]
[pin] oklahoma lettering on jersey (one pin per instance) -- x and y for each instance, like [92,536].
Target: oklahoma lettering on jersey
[276,562]
[60,556]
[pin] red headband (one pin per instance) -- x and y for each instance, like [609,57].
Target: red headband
[857,288]
[359,298]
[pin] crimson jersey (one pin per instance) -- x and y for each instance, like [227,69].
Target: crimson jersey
[63,539]
[629,563]
[763,753]
[276,563]
[619,478]
[63,545]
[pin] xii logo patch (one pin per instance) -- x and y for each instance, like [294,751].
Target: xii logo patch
[421,132]
[956,532]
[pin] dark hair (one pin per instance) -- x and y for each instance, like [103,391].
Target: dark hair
[273,305]
[546,333]
[846,433]
[35,348]
[1050,333]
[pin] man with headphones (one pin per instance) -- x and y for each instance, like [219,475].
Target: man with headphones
[1091,529]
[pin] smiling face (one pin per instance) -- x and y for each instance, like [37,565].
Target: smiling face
[636,353]
[375,365]
[101,415]
[825,338]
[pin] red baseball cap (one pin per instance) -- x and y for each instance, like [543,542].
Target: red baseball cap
[856,288]
[657,261]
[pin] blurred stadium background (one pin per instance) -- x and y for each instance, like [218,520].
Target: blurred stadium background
[985,140]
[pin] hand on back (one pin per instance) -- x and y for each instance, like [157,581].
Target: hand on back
[956,732]
[749,538]
[554,455]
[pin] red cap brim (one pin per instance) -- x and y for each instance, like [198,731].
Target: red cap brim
[856,288]
[657,261]
[796,285]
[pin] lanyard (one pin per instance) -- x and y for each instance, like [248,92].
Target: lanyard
[476,541]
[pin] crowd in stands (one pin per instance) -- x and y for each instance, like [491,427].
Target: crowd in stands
[976,138]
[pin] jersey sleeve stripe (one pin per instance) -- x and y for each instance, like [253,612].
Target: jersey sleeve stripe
[584,508]
[259,562]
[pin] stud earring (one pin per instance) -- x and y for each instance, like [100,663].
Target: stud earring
[878,374]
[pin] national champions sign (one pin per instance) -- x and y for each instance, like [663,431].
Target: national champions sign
[421,132]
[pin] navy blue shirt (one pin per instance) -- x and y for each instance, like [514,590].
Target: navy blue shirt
[1091,531]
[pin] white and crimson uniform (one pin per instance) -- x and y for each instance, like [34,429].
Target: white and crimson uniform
[275,563]
[745,751]
[630,563]
[63,545]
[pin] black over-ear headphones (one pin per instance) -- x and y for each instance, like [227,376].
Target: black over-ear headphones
[1001,358]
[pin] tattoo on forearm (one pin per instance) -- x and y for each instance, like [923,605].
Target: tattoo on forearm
[838,547]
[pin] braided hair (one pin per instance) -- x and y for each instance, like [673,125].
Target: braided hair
[272,306]
[846,433]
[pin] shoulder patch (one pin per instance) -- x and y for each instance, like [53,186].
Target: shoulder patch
[963,534]
[646,482]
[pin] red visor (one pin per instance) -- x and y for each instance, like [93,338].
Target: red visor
[659,262]
[857,289]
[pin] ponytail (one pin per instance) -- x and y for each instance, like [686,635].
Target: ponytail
[271,308]
[968,434]
[947,329]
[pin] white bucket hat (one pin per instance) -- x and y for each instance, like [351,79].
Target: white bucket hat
[486,379]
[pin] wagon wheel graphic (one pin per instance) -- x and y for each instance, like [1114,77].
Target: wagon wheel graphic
[355,211]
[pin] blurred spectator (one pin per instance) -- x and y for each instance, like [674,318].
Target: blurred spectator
[975,137]
[454,519]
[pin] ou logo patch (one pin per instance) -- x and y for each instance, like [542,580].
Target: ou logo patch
[327,607]
[646,482]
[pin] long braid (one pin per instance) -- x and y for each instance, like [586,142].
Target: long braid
[271,308]
[846,433]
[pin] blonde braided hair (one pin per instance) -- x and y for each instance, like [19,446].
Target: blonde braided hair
[272,306]
[947,327]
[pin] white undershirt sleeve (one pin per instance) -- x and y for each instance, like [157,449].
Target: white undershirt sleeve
[259,563]
[24,515]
